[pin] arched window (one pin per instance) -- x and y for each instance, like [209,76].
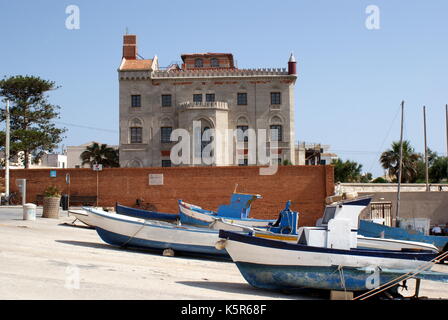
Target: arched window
[242,125]
[134,164]
[136,131]
[198,63]
[276,129]
[214,63]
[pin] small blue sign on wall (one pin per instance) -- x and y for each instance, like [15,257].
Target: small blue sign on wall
[53,173]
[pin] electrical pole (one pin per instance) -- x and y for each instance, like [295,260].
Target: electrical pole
[426,151]
[400,166]
[7,147]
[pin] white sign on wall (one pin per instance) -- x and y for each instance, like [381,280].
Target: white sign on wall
[156,179]
[97,167]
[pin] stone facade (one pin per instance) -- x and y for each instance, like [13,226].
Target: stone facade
[207,88]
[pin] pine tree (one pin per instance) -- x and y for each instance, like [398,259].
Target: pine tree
[32,129]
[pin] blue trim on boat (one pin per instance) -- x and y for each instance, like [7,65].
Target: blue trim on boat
[120,240]
[421,256]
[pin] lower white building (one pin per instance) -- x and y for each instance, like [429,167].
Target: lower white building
[48,160]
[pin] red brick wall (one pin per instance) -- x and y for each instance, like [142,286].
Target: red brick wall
[305,186]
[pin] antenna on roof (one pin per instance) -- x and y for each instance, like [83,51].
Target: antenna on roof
[127,31]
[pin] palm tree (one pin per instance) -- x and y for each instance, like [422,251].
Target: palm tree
[100,154]
[390,160]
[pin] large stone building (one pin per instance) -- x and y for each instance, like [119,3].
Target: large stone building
[207,88]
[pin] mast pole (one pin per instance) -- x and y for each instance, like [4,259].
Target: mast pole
[7,152]
[426,151]
[400,166]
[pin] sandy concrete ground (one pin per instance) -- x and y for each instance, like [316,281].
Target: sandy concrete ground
[44,259]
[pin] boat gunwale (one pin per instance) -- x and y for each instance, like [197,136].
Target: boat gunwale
[152,223]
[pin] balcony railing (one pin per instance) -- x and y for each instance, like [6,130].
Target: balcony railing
[188,105]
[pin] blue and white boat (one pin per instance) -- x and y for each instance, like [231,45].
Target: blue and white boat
[286,228]
[376,230]
[236,212]
[125,231]
[323,258]
[279,265]
[145,214]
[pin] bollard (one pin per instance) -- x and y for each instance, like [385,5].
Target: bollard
[29,211]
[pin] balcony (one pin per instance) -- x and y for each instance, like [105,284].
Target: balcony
[215,105]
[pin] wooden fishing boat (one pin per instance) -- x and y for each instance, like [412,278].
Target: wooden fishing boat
[375,230]
[287,228]
[237,211]
[324,258]
[272,264]
[125,231]
[145,214]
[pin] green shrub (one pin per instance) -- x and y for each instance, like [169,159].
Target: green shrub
[52,191]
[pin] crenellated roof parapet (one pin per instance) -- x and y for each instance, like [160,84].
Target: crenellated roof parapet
[219,73]
[134,75]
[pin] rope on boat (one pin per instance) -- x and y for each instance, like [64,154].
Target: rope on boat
[132,237]
[341,275]
[403,277]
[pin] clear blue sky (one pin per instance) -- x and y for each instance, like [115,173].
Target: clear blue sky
[351,79]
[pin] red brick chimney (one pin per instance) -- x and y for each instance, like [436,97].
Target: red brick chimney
[130,46]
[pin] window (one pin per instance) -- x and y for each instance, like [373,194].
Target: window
[136,135]
[241,99]
[243,162]
[276,98]
[198,63]
[276,132]
[165,134]
[166,163]
[205,138]
[210,97]
[214,63]
[166,100]
[328,214]
[136,100]
[240,135]
[197,98]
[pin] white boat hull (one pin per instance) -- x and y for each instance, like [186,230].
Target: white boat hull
[129,231]
[243,252]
